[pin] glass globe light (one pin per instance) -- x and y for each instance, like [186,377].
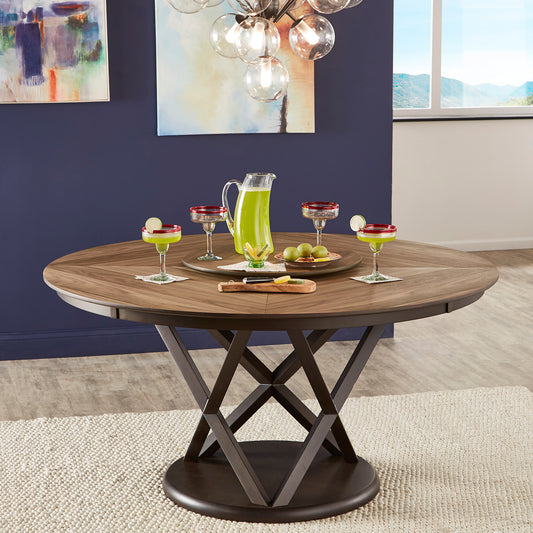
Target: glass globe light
[267,80]
[188,6]
[328,6]
[297,4]
[249,7]
[258,38]
[224,32]
[353,3]
[312,37]
[210,3]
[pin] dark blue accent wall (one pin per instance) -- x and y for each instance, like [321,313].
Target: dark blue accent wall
[74,176]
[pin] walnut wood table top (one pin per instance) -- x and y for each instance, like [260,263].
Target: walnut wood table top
[435,280]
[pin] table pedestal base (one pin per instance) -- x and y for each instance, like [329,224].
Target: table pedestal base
[331,485]
[270,481]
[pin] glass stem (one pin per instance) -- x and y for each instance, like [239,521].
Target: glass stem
[209,227]
[375,263]
[162,263]
[209,235]
[319,226]
[375,254]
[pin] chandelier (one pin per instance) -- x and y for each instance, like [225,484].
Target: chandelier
[250,33]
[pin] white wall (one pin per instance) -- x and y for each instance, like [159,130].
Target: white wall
[464,184]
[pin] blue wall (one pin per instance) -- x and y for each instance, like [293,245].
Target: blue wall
[80,175]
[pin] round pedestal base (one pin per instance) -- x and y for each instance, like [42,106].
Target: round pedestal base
[330,487]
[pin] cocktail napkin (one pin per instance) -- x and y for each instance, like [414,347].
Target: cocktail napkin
[174,278]
[362,278]
[243,265]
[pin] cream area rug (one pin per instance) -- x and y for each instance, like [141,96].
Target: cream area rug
[449,462]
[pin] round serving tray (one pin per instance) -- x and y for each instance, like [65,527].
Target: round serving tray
[223,246]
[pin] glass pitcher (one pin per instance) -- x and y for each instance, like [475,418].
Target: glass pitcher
[251,222]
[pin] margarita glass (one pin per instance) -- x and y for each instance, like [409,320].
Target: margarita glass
[320,212]
[162,238]
[208,216]
[376,235]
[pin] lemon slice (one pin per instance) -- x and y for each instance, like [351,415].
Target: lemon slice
[357,222]
[153,224]
[251,250]
[321,259]
[282,279]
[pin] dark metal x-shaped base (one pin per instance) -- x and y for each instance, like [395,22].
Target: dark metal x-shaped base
[326,429]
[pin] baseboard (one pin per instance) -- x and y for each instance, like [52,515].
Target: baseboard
[480,245]
[140,339]
[74,343]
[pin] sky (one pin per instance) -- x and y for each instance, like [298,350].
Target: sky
[483,41]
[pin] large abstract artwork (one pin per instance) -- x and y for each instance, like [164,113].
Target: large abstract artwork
[53,51]
[200,92]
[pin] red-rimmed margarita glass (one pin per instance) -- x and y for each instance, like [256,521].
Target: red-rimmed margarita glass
[208,216]
[376,235]
[320,212]
[168,233]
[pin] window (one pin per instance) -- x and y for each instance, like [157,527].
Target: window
[456,58]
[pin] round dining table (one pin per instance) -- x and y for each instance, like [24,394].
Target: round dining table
[270,480]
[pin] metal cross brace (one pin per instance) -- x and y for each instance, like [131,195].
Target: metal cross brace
[326,429]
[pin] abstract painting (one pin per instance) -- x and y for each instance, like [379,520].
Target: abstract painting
[53,51]
[201,92]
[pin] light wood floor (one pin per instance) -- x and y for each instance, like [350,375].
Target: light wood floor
[487,344]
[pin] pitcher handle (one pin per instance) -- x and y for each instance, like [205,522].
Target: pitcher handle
[225,203]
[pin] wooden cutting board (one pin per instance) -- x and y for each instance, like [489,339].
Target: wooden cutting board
[294,288]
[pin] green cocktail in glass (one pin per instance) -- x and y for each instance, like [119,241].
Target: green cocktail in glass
[376,235]
[162,238]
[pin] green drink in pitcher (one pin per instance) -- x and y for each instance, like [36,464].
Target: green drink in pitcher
[251,217]
[251,223]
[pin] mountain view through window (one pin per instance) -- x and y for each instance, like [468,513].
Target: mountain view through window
[486,54]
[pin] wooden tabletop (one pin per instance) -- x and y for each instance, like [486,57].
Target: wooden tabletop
[435,280]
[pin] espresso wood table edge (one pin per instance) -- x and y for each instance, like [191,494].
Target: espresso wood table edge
[256,322]
[270,481]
